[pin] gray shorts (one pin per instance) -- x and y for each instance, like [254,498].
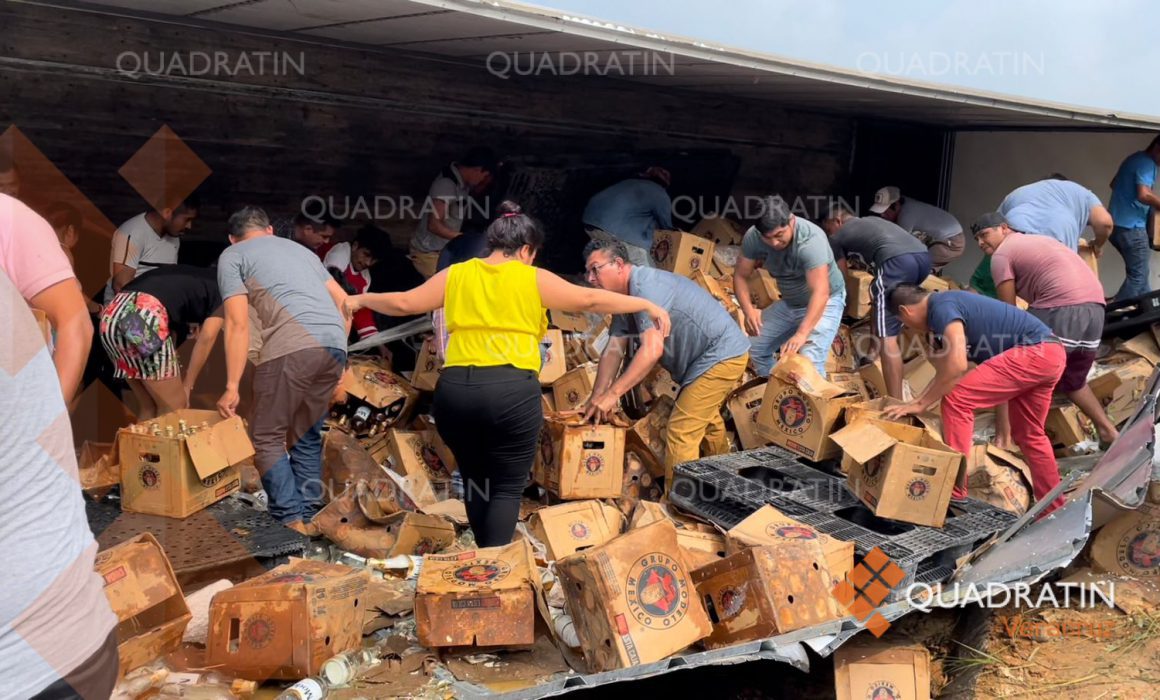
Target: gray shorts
[1079,328]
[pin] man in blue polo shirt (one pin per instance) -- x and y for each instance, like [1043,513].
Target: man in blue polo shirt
[706,352]
[1019,363]
[813,293]
[1060,209]
[1132,203]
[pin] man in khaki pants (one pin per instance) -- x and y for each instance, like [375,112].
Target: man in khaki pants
[447,205]
[706,352]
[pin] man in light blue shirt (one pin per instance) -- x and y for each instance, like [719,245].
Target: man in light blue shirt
[1059,209]
[1131,205]
[630,211]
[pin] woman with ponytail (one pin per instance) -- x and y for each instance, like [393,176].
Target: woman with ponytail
[487,402]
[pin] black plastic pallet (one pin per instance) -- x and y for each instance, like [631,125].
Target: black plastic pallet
[1131,315]
[727,489]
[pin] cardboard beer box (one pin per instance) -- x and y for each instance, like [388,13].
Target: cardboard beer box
[875,409]
[370,381]
[800,409]
[711,285]
[768,525]
[763,289]
[482,598]
[701,548]
[144,594]
[578,460]
[874,379]
[681,253]
[1000,478]
[632,599]
[571,527]
[917,374]
[418,534]
[572,321]
[765,591]
[97,466]
[548,403]
[853,382]
[555,357]
[744,405]
[1119,389]
[720,229]
[595,340]
[1088,255]
[858,297]
[841,357]
[864,341]
[572,389]
[1130,544]
[660,383]
[912,344]
[1066,425]
[180,475]
[881,671]
[421,451]
[646,437]
[1143,345]
[899,471]
[427,366]
[935,284]
[287,622]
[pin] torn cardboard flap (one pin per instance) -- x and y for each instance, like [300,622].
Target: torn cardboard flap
[800,372]
[372,382]
[1143,345]
[223,445]
[866,439]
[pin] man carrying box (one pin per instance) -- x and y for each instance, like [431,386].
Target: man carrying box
[1019,363]
[894,257]
[813,292]
[1059,209]
[1060,290]
[706,352]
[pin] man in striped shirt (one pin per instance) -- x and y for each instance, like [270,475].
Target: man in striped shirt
[1060,290]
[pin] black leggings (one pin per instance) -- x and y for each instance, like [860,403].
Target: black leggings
[491,418]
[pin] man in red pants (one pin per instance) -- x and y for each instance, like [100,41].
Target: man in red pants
[1019,362]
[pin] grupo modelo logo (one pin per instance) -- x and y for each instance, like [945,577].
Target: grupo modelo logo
[793,412]
[657,591]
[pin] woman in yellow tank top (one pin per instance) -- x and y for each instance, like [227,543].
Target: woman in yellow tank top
[487,403]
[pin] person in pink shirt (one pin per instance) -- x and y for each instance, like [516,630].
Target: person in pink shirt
[1060,290]
[31,256]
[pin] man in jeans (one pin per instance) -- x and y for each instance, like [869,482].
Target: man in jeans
[813,292]
[1019,362]
[1062,291]
[705,353]
[895,257]
[1133,201]
[298,307]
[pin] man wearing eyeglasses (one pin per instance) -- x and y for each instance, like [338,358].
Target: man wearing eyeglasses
[706,353]
[813,293]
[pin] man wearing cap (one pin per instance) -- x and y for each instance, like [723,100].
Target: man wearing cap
[1058,208]
[1060,290]
[1019,363]
[939,230]
[1133,202]
[448,204]
[630,212]
[894,257]
[813,292]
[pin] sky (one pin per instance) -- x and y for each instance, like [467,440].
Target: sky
[1095,53]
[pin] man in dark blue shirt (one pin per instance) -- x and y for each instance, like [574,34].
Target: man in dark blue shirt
[1019,362]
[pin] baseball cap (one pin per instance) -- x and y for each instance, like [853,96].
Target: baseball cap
[989,220]
[883,198]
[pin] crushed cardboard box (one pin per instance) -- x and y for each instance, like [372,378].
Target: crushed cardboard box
[858,296]
[97,466]
[287,622]
[1119,389]
[372,382]
[481,598]
[571,527]
[765,591]
[1066,425]
[744,404]
[180,475]
[646,437]
[851,381]
[632,600]
[800,409]
[768,525]
[899,471]
[999,478]
[144,594]
[418,534]
[681,253]
[1143,345]
[719,229]
[1130,544]
[874,379]
[1088,254]
[763,291]
[842,357]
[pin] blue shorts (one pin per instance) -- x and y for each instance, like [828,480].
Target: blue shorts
[910,268]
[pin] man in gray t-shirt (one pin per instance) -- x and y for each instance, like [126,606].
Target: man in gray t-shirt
[297,305]
[939,230]
[706,353]
[813,292]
